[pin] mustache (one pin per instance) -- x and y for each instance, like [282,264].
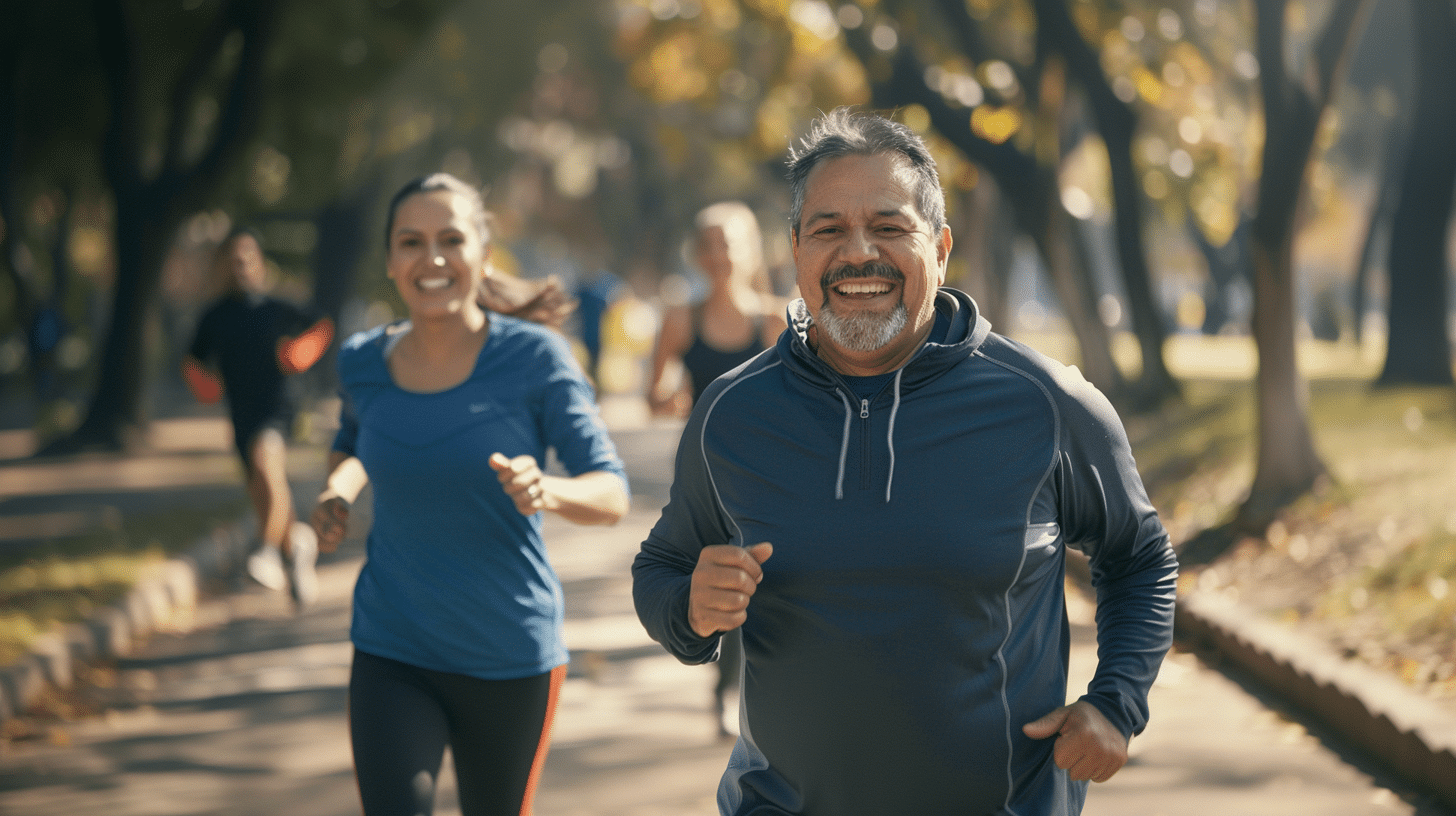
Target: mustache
[873,269]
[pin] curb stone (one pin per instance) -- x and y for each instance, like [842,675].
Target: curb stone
[1411,736]
[164,591]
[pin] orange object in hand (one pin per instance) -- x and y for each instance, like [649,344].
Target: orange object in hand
[204,385]
[298,354]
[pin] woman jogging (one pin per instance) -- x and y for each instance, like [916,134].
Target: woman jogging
[457,621]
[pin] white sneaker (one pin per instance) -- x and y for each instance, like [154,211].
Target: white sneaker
[302,556]
[265,566]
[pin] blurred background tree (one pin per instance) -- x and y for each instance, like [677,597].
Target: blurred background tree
[1120,172]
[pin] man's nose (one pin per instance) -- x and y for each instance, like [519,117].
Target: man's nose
[859,246]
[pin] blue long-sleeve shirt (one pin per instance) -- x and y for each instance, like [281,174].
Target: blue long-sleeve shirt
[455,579]
[912,617]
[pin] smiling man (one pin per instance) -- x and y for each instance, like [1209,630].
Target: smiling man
[883,503]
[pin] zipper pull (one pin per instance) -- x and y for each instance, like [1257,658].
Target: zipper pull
[864,409]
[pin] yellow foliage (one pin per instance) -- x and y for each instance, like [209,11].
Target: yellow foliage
[1214,200]
[1087,19]
[672,72]
[916,117]
[772,9]
[451,41]
[1155,185]
[723,14]
[1148,85]
[1187,55]
[503,261]
[1087,167]
[674,144]
[847,81]
[996,124]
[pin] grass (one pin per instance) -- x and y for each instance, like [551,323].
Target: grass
[1367,561]
[66,579]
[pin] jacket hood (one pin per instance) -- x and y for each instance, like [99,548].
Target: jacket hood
[968,330]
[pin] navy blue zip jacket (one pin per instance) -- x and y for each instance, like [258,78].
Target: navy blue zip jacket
[912,617]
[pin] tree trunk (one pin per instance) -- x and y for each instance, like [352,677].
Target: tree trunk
[1065,252]
[1419,349]
[10,48]
[118,412]
[150,209]
[343,235]
[1117,123]
[1227,264]
[984,234]
[1287,464]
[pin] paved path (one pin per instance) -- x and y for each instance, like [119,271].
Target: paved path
[240,711]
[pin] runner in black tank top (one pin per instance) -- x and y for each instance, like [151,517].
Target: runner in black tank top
[740,311]
[705,363]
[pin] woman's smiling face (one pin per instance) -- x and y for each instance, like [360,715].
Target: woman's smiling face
[437,254]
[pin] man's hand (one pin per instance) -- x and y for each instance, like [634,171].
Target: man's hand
[1087,746]
[723,582]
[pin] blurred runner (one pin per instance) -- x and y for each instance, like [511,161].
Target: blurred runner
[247,345]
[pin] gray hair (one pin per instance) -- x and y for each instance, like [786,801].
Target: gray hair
[841,133]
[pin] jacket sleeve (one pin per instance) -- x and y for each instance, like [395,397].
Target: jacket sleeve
[662,571]
[1106,513]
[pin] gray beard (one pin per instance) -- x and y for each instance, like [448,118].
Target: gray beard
[862,331]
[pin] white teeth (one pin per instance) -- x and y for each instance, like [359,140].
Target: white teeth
[862,288]
[433,283]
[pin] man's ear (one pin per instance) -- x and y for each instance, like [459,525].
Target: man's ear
[942,251]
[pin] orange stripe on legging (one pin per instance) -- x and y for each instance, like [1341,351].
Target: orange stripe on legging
[558,675]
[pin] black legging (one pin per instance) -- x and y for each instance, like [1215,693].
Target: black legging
[401,717]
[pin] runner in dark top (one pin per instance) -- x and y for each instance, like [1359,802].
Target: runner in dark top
[738,319]
[704,363]
[246,346]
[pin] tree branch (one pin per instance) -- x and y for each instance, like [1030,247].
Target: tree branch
[184,90]
[240,106]
[121,146]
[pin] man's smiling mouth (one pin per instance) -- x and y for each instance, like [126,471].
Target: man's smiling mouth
[863,288]
[871,279]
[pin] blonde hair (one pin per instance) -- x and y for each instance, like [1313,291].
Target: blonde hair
[739,224]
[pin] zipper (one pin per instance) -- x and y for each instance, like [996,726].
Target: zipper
[864,444]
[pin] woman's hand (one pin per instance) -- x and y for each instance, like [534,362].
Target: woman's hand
[330,520]
[521,479]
